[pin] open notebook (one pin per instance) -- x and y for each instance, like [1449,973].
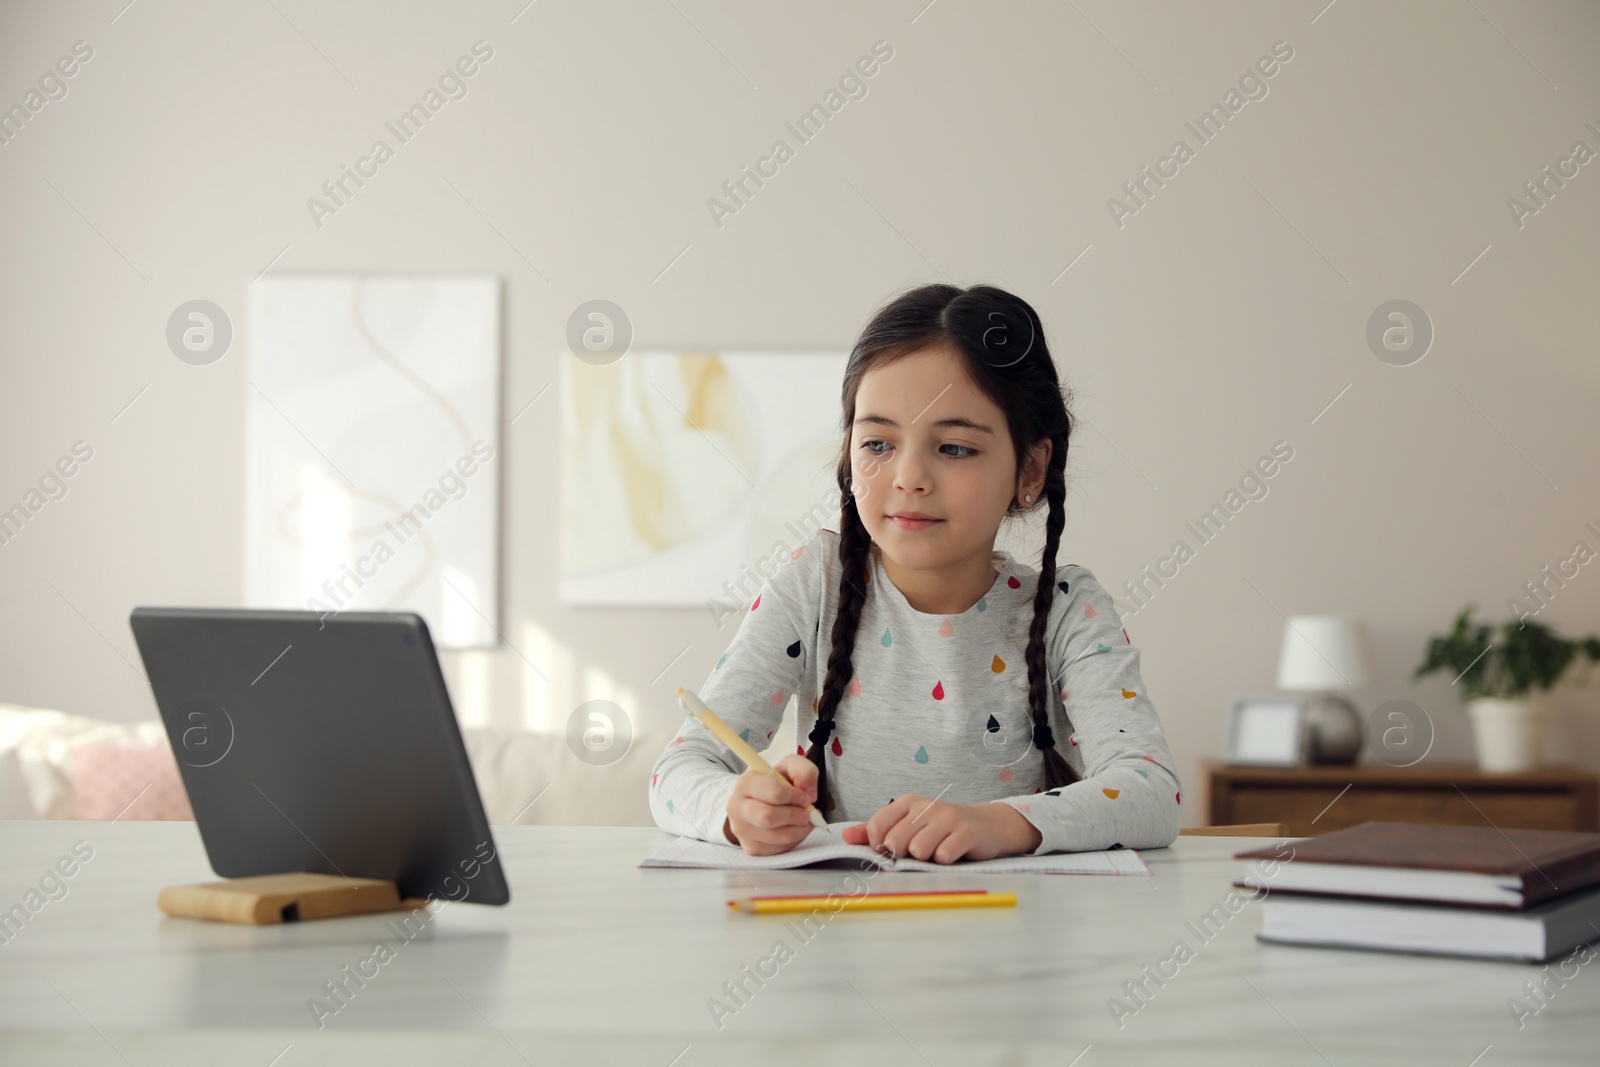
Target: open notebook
[821,846]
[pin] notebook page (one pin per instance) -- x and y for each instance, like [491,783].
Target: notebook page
[1121,861]
[820,846]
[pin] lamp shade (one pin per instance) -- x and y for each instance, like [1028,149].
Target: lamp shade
[1323,652]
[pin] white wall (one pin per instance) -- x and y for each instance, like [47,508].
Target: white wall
[1224,316]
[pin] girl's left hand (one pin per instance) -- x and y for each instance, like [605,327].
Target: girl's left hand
[944,833]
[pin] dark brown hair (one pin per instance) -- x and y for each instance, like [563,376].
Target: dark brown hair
[1001,343]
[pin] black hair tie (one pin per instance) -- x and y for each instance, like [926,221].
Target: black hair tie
[820,731]
[1042,737]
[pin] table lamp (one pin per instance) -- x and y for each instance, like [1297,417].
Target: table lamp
[1323,653]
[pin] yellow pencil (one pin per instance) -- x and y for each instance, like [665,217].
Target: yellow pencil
[696,709]
[875,902]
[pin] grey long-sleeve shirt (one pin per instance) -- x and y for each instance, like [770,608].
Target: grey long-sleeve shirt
[938,707]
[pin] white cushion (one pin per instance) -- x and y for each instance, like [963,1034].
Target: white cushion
[42,741]
[14,800]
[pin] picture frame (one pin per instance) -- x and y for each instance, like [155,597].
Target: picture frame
[1267,732]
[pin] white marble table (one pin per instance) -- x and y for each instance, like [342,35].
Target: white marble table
[598,962]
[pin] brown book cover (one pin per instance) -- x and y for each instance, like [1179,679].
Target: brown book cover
[1547,863]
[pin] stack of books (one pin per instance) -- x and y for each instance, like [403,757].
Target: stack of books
[1448,890]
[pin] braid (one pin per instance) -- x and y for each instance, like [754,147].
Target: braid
[854,545]
[1057,771]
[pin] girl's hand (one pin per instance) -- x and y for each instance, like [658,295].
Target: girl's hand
[943,832]
[767,816]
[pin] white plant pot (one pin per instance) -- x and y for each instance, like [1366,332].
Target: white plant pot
[1508,734]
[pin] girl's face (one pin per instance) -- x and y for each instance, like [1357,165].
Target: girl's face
[932,462]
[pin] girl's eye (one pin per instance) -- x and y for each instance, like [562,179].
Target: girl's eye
[960,451]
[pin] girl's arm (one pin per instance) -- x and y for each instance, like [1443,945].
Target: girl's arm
[749,688]
[1130,796]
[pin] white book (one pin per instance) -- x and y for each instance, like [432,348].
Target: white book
[821,846]
[1536,934]
[1361,880]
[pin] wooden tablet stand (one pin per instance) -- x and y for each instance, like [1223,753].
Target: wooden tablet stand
[279,898]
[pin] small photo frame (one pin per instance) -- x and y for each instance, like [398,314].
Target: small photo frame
[1268,732]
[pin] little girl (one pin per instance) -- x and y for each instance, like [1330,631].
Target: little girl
[963,704]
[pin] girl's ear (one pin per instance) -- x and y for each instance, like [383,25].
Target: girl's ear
[1031,481]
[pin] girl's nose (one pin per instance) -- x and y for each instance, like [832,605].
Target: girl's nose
[910,473]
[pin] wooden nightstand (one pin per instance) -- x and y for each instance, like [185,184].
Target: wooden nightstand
[1315,800]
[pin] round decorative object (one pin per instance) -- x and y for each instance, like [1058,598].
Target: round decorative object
[1334,731]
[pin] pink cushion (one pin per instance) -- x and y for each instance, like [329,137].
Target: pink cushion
[106,779]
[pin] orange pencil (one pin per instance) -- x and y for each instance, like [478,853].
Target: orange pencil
[941,898]
[696,709]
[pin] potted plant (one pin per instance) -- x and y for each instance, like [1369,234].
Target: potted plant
[1505,672]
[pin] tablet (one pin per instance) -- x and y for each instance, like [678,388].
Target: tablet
[320,742]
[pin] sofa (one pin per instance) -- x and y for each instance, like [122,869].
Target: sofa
[55,765]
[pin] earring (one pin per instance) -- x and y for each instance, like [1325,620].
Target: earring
[1028,498]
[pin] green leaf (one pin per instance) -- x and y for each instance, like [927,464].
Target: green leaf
[1510,660]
